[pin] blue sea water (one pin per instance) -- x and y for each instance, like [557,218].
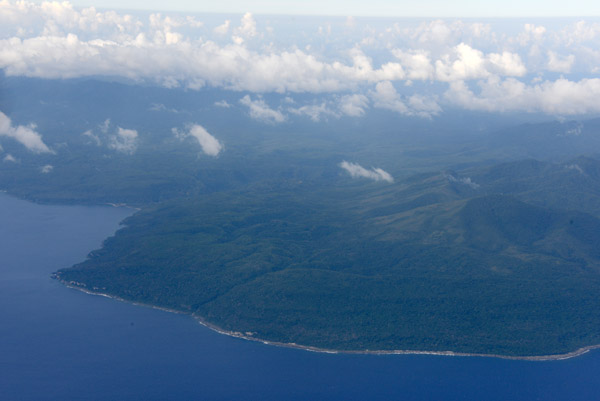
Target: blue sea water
[57,343]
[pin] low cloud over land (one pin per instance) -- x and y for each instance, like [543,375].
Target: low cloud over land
[124,141]
[259,110]
[209,144]
[26,135]
[358,171]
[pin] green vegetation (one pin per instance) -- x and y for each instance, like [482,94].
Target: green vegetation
[432,262]
[488,240]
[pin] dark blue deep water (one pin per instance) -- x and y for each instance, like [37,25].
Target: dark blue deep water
[60,344]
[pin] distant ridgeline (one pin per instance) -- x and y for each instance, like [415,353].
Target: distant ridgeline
[501,259]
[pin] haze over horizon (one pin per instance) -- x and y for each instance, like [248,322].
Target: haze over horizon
[376,8]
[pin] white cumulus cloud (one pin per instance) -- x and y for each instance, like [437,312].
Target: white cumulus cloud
[314,111]
[557,63]
[247,26]
[95,138]
[223,28]
[259,110]
[358,67]
[385,96]
[9,159]
[209,144]
[46,169]
[26,135]
[124,141]
[354,105]
[560,97]
[358,171]
[466,62]
[223,104]
[416,63]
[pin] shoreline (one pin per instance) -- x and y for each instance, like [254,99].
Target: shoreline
[540,358]
[240,335]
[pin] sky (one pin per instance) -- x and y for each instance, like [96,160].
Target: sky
[379,8]
[319,67]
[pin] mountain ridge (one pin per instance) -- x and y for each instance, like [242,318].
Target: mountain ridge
[465,269]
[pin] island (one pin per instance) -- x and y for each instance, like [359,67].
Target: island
[383,233]
[496,260]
